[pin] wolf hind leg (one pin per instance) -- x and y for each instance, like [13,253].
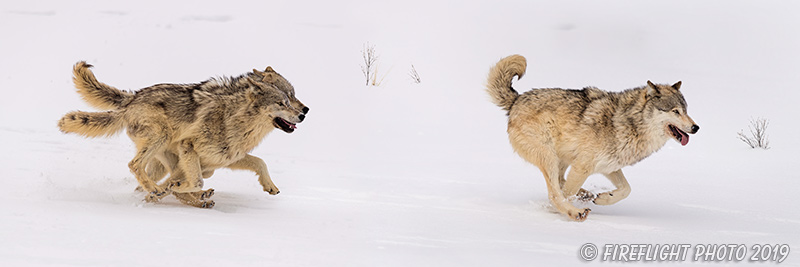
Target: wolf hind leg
[544,156]
[138,167]
[157,169]
[562,169]
[552,169]
[614,196]
[257,165]
[573,185]
[583,194]
[189,164]
[557,197]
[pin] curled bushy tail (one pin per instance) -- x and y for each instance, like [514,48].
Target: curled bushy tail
[92,124]
[95,93]
[500,76]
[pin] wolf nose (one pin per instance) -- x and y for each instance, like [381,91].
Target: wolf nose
[302,117]
[305,110]
[695,128]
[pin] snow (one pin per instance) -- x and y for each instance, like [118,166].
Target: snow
[401,174]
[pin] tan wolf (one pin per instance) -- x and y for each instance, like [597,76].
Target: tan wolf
[189,130]
[589,130]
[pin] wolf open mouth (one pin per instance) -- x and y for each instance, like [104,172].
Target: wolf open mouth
[284,125]
[679,135]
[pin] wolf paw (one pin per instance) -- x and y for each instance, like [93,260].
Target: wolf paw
[606,198]
[156,195]
[206,194]
[579,216]
[186,187]
[207,204]
[585,196]
[272,189]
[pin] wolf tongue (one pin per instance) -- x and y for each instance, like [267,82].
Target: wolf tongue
[684,138]
[291,125]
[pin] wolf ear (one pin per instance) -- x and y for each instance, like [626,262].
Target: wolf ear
[652,89]
[677,85]
[269,77]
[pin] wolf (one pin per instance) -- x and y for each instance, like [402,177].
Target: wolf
[189,130]
[588,130]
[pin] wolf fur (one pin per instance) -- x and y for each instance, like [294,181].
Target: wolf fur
[589,130]
[189,130]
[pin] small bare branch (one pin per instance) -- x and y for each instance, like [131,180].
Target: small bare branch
[414,75]
[370,58]
[758,137]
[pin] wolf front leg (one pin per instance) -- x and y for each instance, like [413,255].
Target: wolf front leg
[614,196]
[257,165]
[198,199]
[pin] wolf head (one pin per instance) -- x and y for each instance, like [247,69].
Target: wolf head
[668,111]
[276,105]
[272,78]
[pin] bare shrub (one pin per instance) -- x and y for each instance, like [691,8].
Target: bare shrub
[414,75]
[369,68]
[758,137]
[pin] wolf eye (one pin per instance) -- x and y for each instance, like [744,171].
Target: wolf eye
[676,112]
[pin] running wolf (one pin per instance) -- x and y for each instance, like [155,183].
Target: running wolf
[591,130]
[189,130]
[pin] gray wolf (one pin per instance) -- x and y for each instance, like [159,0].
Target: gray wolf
[589,130]
[189,130]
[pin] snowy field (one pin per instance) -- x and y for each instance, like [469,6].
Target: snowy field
[400,174]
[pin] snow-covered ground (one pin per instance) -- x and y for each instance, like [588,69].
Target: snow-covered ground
[401,174]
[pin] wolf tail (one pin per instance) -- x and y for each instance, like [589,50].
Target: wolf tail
[92,124]
[499,83]
[97,94]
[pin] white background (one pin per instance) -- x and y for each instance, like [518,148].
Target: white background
[401,174]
